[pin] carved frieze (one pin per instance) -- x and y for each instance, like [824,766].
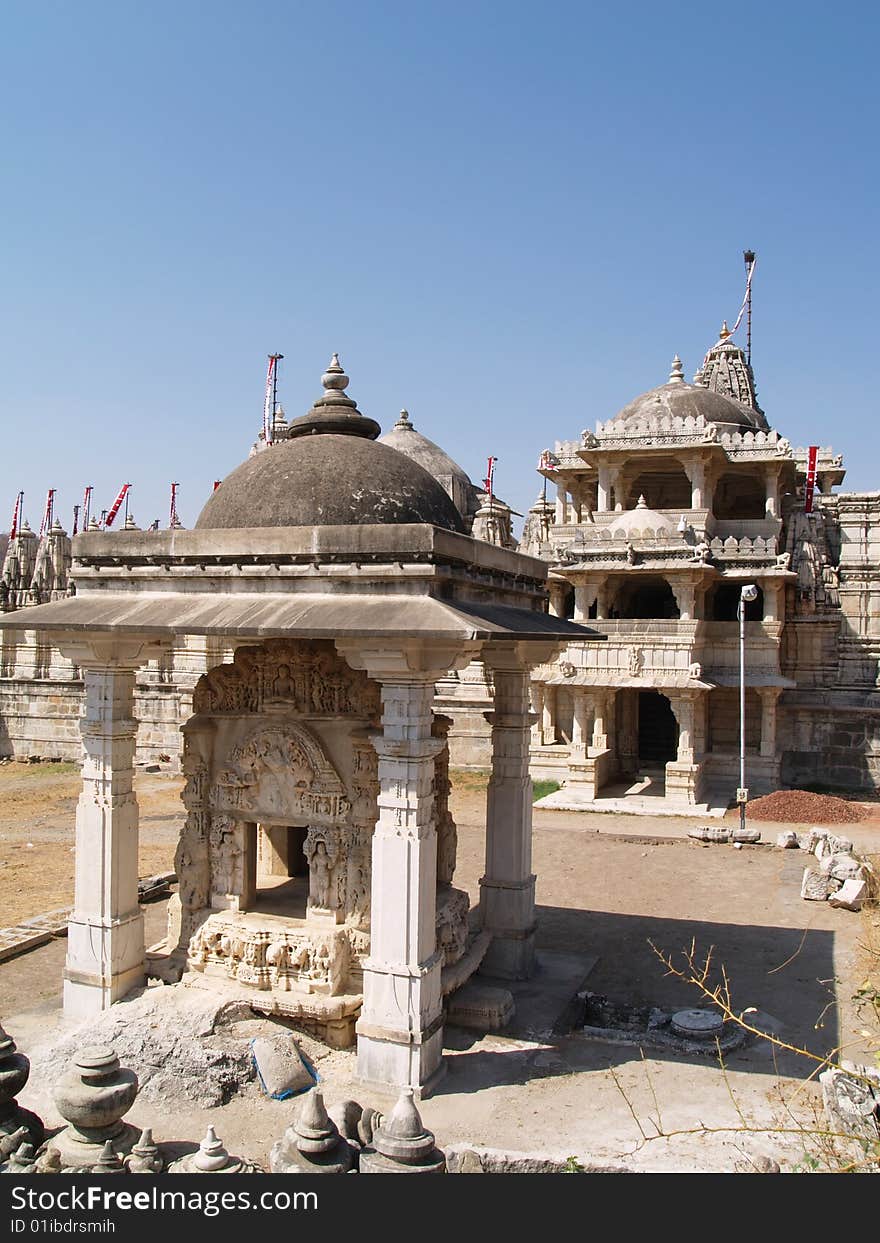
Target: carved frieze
[271,958]
[306,678]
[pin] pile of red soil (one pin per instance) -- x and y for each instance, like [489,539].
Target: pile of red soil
[804,807]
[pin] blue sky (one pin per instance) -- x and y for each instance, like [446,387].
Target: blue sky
[507,217]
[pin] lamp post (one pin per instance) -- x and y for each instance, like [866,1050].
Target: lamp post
[747,594]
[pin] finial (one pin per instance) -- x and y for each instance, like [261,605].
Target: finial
[211,1155]
[26,528]
[402,1136]
[94,525]
[724,333]
[403,422]
[334,378]
[641,503]
[130,524]
[315,1129]
[676,375]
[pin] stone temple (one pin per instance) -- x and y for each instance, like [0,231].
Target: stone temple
[659,518]
[328,585]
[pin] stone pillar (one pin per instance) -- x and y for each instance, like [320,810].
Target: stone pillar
[548,724]
[603,599]
[771,503]
[581,700]
[685,597]
[599,740]
[536,692]
[683,707]
[698,485]
[561,505]
[584,598]
[105,941]
[769,699]
[557,597]
[603,489]
[507,890]
[400,1030]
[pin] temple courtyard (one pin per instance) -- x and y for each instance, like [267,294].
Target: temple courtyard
[607,886]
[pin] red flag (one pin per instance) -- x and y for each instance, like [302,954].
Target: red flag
[490,475]
[16,515]
[114,508]
[173,520]
[87,503]
[47,513]
[810,486]
[268,412]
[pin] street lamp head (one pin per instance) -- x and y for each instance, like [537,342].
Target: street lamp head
[749,593]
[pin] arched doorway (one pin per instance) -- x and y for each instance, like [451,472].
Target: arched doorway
[657,730]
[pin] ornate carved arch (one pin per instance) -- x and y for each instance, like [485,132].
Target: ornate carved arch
[281,770]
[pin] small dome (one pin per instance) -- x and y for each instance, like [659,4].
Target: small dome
[683,400]
[331,472]
[641,521]
[405,439]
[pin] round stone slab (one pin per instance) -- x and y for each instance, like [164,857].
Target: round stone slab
[697,1024]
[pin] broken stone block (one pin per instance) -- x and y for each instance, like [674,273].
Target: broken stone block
[710,833]
[745,836]
[850,1103]
[816,841]
[841,867]
[850,896]
[788,840]
[816,886]
[280,1066]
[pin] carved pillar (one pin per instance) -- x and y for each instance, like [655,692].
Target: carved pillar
[603,601]
[769,699]
[507,890]
[581,701]
[400,1030]
[685,597]
[548,724]
[105,942]
[683,708]
[599,740]
[698,485]
[536,692]
[603,489]
[771,502]
[561,505]
[557,597]
[584,597]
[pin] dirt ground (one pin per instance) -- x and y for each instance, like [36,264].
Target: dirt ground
[607,886]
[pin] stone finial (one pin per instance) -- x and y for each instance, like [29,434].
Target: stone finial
[130,524]
[682,525]
[22,1161]
[403,423]
[402,1143]
[144,1157]
[93,1095]
[312,1144]
[25,528]
[641,503]
[108,1162]
[315,1129]
[334,378]
[211,1155]
[94,524]
[15,1069]
[676,375]
[56,528]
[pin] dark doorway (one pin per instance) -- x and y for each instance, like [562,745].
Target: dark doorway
[658,729]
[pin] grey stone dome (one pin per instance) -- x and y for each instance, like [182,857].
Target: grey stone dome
[330,472]
[690,400]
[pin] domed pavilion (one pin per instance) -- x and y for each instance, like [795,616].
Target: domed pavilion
[661,516]
[317,861]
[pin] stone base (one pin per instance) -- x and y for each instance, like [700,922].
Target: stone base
[480,1007]
[286,1158]
[85,995]
[372,1162]
[77,1154]
[511,957]
[376,1056]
